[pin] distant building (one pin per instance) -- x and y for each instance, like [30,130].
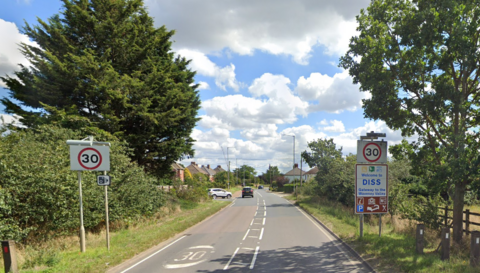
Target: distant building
[194,169]
[295,173]
[219,169]
[179,171]
[211,172]
[311,174]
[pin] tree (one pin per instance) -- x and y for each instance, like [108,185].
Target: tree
[246,172]
[324,152]
[104,60]
[271,174]
[419,60]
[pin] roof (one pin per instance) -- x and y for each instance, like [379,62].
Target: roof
[314,170]
[177,166]
[219,169]
[295,172]
[194,169]
[209,170]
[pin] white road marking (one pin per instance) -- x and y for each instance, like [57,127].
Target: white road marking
[256,213]
[264,221]
[194,247]
[261,234]
[252,222]
[328,236]
[254,257]
[265,213]
[173,266]
[259,194]
[246,235]
[231,258]
[247,248]
[153,254]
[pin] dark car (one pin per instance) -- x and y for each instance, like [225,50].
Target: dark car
[247,191]
[260,187]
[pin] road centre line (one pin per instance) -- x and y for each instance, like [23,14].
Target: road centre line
[265,213]
[252,221]
[246,235]
[231,258]
[328,236]
[254,257]
[155,253]
[264,221]
[261,234]
[259,194]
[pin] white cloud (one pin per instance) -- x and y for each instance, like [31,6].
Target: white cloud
[337,127]
[276,27]
[10,55]
[224,77]
[203,86]
[331,94]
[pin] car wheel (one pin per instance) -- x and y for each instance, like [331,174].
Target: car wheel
[243,196]
[229,196]
[214,196]
[223,197]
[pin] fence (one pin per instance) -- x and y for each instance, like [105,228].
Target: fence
[466,217]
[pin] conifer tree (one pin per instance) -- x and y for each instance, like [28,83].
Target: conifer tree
[105,60]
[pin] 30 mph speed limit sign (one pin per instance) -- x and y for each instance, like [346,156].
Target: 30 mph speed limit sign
[89,158]
[371,151]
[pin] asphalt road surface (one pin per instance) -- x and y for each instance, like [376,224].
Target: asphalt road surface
[261,234]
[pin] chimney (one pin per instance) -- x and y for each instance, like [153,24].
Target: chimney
[208,166]
[219,166]
[296,165]
[193,163]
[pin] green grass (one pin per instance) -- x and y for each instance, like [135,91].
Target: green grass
[393,251]
[64,255]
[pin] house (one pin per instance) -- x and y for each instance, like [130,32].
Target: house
[194,169]
[211,172]
[179,171]
[311,174]
[295,173]
[219,169]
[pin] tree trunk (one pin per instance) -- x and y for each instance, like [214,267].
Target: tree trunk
[458,212]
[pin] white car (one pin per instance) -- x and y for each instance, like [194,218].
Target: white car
[217,192]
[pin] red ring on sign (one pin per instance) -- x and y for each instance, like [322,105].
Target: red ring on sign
[379,154]
[90,168]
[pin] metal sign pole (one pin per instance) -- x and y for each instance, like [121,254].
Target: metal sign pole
[361,225]
[82,229]
[106,214]
[379,225]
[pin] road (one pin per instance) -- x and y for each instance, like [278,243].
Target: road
[261,234]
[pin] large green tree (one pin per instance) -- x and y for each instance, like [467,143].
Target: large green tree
[323,153]
[419,60]
[105,60]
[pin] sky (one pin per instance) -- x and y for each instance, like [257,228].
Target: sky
[268,74]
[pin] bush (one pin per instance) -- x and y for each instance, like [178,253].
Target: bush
[288,188]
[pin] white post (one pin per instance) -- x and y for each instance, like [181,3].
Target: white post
[106,214]
[82,229]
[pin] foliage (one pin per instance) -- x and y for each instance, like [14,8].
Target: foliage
[323,152]
[106,62]
[281,180]
[39,192]
[420,61]
[270,175]
[246,172]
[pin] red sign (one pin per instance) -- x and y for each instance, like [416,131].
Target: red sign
[373,204]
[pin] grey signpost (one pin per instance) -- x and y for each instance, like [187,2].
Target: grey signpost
[371,178]
[88,155]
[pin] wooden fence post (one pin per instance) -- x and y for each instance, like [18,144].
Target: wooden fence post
[446,215]
[420,238]
[475,249]
[467,221]
[445,252]
[9,256]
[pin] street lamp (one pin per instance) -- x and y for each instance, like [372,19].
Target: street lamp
[293,148]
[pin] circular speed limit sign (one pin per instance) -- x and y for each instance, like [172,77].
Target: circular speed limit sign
[90,158]
[372,152]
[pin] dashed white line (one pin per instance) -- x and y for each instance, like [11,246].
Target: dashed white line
[246,235]
[265,213]
[252,222]
[261,234]
[231,258]
[264,221]
[254,257]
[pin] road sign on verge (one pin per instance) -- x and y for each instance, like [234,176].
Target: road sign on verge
[104,180]
[371,151]
[89,158]
[371,188]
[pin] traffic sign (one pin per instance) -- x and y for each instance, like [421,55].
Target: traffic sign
[371,151]
[104,180]
[89,158]
[371,188]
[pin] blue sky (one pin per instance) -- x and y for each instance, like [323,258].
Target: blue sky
[266,68]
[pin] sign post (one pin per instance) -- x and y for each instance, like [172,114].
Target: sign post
[371,178]
[91,156]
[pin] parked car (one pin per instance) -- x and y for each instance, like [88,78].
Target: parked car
[247,191]
[217,192]
[260,187]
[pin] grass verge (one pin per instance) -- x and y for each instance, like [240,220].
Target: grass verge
[63,255]
[394,251]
